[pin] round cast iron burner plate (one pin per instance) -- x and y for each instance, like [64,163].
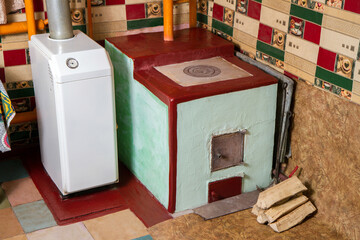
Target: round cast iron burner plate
[201,71]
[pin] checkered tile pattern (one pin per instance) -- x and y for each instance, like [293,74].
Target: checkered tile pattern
[316,41]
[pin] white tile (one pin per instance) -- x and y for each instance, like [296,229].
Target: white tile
[226,3]
[279,5]
[339,43]
[181,8]
[357,71]
[1,59]
[356,87]
[109,13]
[246,24]
[274,19]
[302,48]
[77,3]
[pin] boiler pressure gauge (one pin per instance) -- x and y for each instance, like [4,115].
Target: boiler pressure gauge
[72,63]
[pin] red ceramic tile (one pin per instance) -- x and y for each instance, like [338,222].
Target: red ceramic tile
[2,74]
[38,5]
[254,9]
[352,5]
[326,59]
[14,57]
[115,2]
[218,12]
[135,11]
[265,33]
[312,32]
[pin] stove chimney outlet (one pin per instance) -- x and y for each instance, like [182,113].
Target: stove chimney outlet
[58,12]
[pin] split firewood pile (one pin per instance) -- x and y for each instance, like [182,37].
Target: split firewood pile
[283,206]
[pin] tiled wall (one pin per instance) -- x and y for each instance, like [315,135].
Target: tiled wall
[316,41]
[110,18]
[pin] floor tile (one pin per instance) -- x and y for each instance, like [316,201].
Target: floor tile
[34,216]
[21,191]
[117,226]
[74,231]
[9,225]
[11,170]
[18,237]
[4,202]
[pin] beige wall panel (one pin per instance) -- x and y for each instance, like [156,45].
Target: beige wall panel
[356,87]
[342,26]
[181,8]
[244,38]
[18,73]
[303,48]
[357,71]
[227,3]
[106,27]
[246,24]
[345,15]
[21,17]
[1,59]
[340,43]
[300,63]
[210,8]
[280,5]
[78,3]
[272,66]
[245,47]
[301,74]
[210,22]
[181,18]
[15,45]
[109,13]
[14,38]
[355,98]
[274,18]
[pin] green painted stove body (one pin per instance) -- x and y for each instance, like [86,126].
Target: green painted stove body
[143,136]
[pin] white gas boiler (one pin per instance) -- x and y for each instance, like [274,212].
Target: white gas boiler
[74,92]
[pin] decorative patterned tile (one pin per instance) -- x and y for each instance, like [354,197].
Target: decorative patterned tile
[21,191]
[302,48]
[334,78]
[274,19]
[278,39]
[335,3]
[229,17]
[74,231]
[344,66]
[270,50]
[296,26]
[108,227]
[9,225]
[34,216]
[12,169]
[307,14]
[246,24]
[154,10]
[241,6]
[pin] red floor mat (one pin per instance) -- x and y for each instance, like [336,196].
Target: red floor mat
[128,193]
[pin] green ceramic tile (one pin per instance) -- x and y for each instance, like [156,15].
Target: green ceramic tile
[202,18]
[17,136]
[20,93]
[334,78]
[222,27]
[260,1]
[306,14]
[143,23]
[270,50]
[4,202]
[12,169]
[80,27]
[34,216]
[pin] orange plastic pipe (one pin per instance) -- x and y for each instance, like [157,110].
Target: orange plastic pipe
[30,18]
[192,13]
[89,17]
[20,27]
[168,20]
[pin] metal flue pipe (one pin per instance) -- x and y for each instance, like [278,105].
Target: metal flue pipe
[58,12]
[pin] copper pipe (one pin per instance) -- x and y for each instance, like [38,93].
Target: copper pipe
[20,27]
[192,13]
[168,20]
[89,17]
[30,18]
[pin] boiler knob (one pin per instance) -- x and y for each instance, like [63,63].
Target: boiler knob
[72,63]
